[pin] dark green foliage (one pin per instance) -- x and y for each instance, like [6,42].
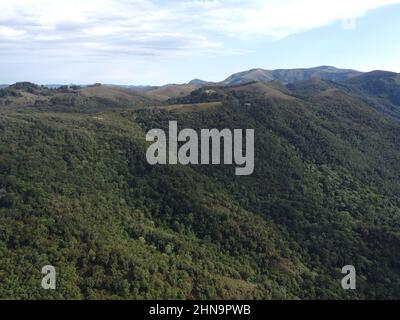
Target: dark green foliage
[202,95]
[76,192]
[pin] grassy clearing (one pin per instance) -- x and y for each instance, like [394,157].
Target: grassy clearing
[191,107]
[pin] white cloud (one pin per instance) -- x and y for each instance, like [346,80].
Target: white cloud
[281,18]
[136,27]
[160,28]
[10,32]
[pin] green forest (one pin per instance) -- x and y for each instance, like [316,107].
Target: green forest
[76,192]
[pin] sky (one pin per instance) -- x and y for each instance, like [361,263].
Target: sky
[154,42]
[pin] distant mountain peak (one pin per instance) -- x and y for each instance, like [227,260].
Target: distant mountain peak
[287,76]
[198,82]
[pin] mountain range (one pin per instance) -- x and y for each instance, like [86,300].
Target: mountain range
[285,76]
[291,75]
[77,193]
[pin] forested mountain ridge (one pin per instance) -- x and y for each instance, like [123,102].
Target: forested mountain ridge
[288,76]
[77,192]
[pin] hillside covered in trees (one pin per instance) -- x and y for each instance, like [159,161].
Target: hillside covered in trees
[76,192]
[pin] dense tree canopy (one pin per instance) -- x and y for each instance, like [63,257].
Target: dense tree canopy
[76,192]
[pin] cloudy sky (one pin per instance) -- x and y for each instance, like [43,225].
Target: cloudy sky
[162,41]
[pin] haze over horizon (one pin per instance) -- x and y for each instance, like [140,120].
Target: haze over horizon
[151,42]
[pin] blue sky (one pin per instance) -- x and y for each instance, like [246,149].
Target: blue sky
[157,42]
